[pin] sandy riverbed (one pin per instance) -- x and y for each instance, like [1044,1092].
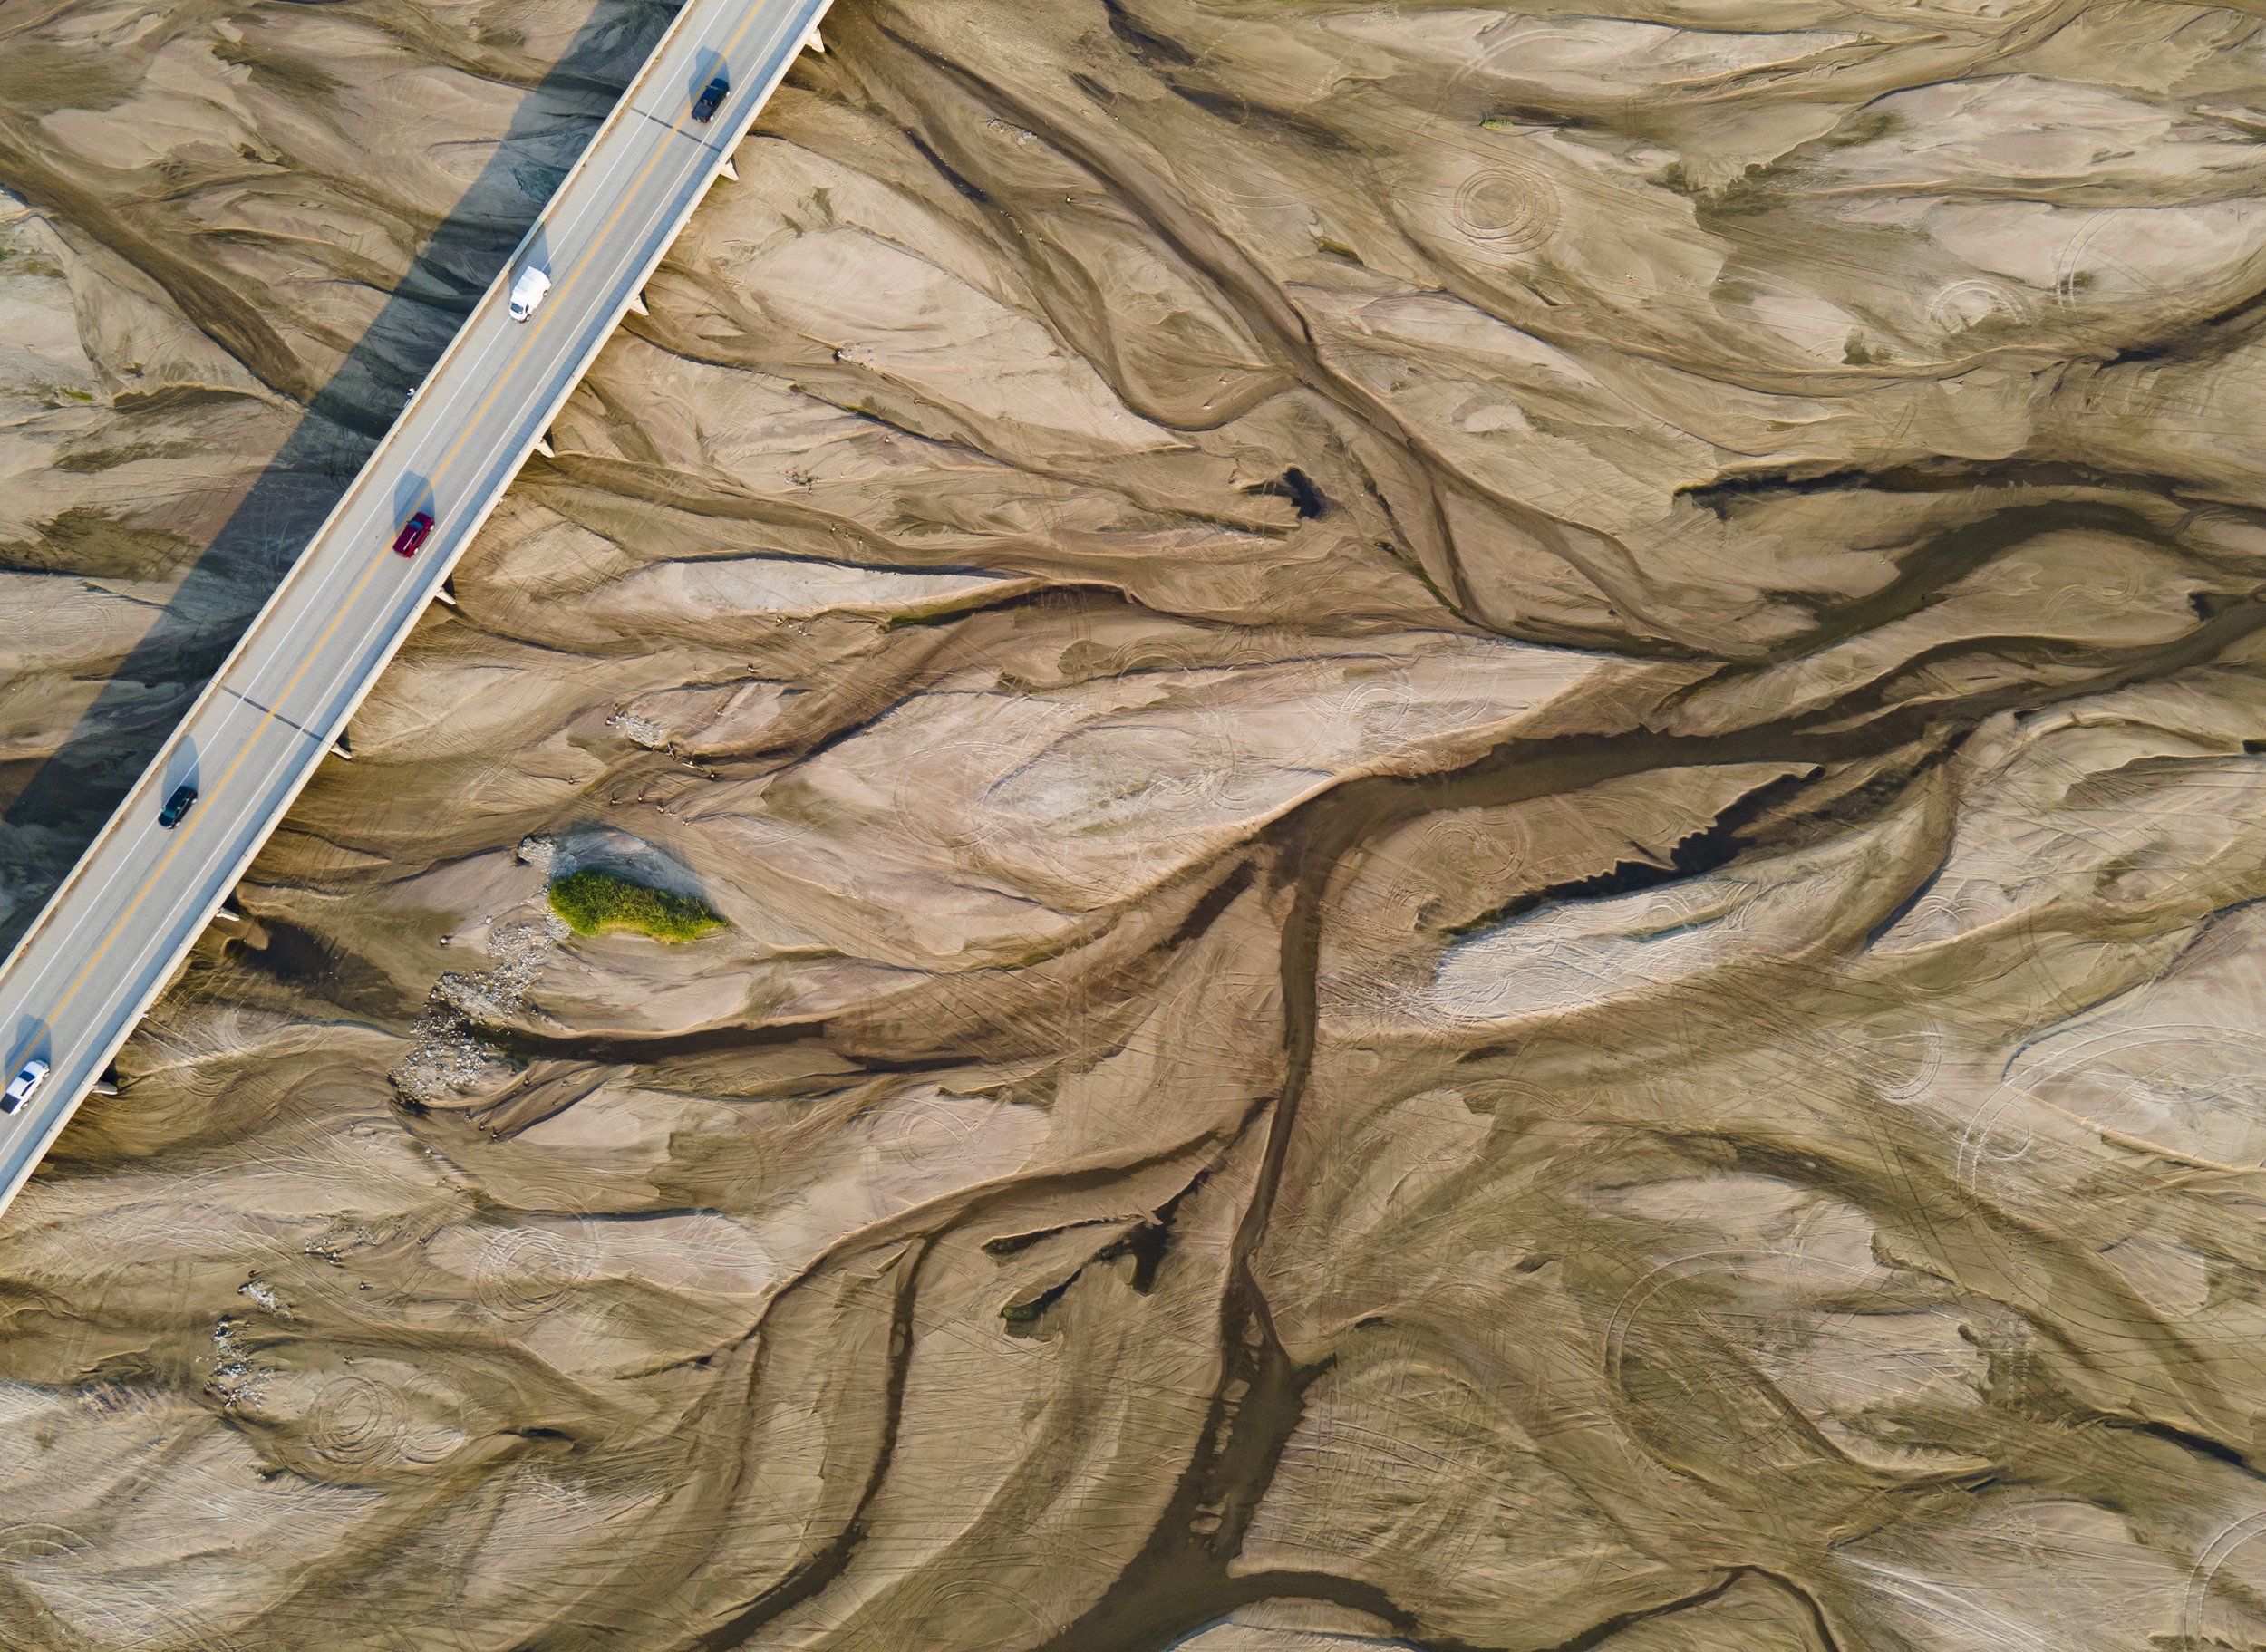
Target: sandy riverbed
[1490,790]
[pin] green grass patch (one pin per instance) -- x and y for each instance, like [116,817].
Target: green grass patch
[596,903]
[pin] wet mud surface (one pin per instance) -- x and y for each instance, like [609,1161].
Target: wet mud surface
[1491,786]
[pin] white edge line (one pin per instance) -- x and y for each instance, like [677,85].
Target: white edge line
[211,691]
[212,688]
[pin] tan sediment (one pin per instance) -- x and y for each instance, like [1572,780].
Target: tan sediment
[1488,787]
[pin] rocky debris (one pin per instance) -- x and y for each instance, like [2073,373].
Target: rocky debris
[447,1056]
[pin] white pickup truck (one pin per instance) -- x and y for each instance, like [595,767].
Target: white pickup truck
[527,292]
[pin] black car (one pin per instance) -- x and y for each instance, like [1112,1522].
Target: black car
[707,104]
[176,806]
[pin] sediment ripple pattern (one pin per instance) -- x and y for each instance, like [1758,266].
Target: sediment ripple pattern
[1491,788]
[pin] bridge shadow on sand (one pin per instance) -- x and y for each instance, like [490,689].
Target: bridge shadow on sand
[64,800]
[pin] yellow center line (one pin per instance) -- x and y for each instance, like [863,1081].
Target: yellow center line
[432,484]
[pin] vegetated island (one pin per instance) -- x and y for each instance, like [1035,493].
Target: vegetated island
[596,903]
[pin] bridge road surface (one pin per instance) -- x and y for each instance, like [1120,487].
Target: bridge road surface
[114,933]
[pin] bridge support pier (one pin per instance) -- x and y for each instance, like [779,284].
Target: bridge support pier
[487,381]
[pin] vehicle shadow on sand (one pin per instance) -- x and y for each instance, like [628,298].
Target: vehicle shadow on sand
[67,798]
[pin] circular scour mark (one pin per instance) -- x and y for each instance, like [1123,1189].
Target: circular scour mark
[1680,1399]
[1962,306]
[2048,965]
[1898,1062]
[356,1423]
[1507,208]
[529,1272]
[2010,1156]
[37,1541]
[2208,1622]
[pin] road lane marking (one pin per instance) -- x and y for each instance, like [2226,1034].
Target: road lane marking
[654,74]
[595,244]
[432,481]
[271,711]
[103,894]
[594,247]
[340,613]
